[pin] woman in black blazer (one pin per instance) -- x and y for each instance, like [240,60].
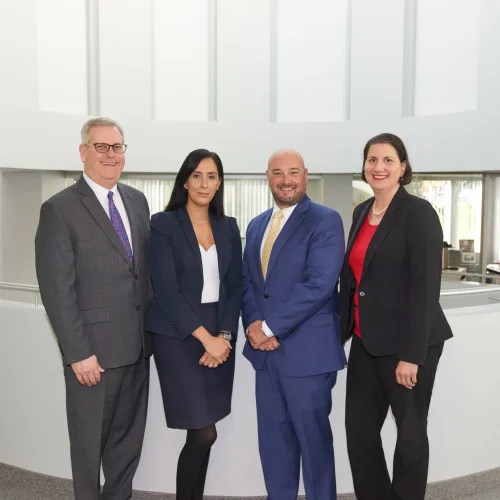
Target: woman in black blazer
[389,303]
[195,257]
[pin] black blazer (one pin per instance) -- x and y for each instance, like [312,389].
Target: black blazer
[177,274]
[400,284]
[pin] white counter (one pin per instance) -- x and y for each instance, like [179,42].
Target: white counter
[463,422]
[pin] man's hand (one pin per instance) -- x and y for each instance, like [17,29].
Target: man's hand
[209,361]
[270,345]
[88,372]
[255,334]
[406,374]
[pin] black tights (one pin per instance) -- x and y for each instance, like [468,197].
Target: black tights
[193,463]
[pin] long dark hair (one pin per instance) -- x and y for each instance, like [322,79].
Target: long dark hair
[179,195]
[398,145]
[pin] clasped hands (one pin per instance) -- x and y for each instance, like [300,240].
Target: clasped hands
[217,350]
[259,340]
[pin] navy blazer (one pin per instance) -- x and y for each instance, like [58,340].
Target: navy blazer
[299,298]
[177,274]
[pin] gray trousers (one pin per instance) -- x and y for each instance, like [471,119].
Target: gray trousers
[106,425]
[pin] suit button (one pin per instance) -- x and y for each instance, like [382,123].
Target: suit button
[266,296]
[136,276]
[138,308]
[361,294]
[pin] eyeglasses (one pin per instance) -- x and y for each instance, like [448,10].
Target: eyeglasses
[102,147]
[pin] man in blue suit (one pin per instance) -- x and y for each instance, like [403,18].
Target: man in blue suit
[291,265]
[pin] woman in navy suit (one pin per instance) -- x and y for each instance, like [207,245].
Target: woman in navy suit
[195,254]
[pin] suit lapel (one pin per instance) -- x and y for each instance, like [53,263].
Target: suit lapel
[92,204]
[128,202]
[291,224]
[261,229]
[384,227]
[222,243]
[187,228]
[359,224]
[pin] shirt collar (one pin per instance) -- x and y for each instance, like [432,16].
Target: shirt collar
[100,191]
[286,211]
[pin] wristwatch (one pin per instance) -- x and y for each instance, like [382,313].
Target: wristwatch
[226,335]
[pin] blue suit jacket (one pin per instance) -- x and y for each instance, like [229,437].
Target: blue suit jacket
[299,298]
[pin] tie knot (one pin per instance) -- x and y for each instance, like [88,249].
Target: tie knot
[278,215]
[110,195]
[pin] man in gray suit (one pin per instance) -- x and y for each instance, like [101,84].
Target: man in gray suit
[92,268]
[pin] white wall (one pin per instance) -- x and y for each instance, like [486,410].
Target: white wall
[374,70]
[21,200]
[21,194]
[51,183]
[463,421]
[2,211]
[337,194]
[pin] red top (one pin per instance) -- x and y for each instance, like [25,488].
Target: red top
[356,261]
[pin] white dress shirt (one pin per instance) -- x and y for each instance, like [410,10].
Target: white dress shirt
[287,212]
[211,281]
[102,195]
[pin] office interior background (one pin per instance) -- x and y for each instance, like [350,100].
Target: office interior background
[244,78]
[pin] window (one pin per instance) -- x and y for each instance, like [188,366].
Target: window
[457,199]
[245,197]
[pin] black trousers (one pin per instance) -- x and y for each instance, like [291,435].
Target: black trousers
[371,389]
[106,425]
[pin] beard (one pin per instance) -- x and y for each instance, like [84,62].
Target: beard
[288,200]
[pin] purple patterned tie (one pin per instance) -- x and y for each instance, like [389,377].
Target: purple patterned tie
[117,222]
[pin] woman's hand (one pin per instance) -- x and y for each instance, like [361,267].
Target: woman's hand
[209,361]
[406,374]
[217,347]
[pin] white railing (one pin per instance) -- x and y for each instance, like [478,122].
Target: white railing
[18,292]
[484,289]
[473,277]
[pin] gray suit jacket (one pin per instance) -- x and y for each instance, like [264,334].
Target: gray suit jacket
[96,299]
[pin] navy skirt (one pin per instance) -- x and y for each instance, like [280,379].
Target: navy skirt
[194,396]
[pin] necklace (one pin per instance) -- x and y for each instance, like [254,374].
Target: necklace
[199,221]
[381,211]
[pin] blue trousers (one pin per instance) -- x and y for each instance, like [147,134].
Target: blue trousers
[293,422]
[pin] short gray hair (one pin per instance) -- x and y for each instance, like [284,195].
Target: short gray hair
[99,122]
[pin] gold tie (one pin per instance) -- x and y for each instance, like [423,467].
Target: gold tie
[271,238]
